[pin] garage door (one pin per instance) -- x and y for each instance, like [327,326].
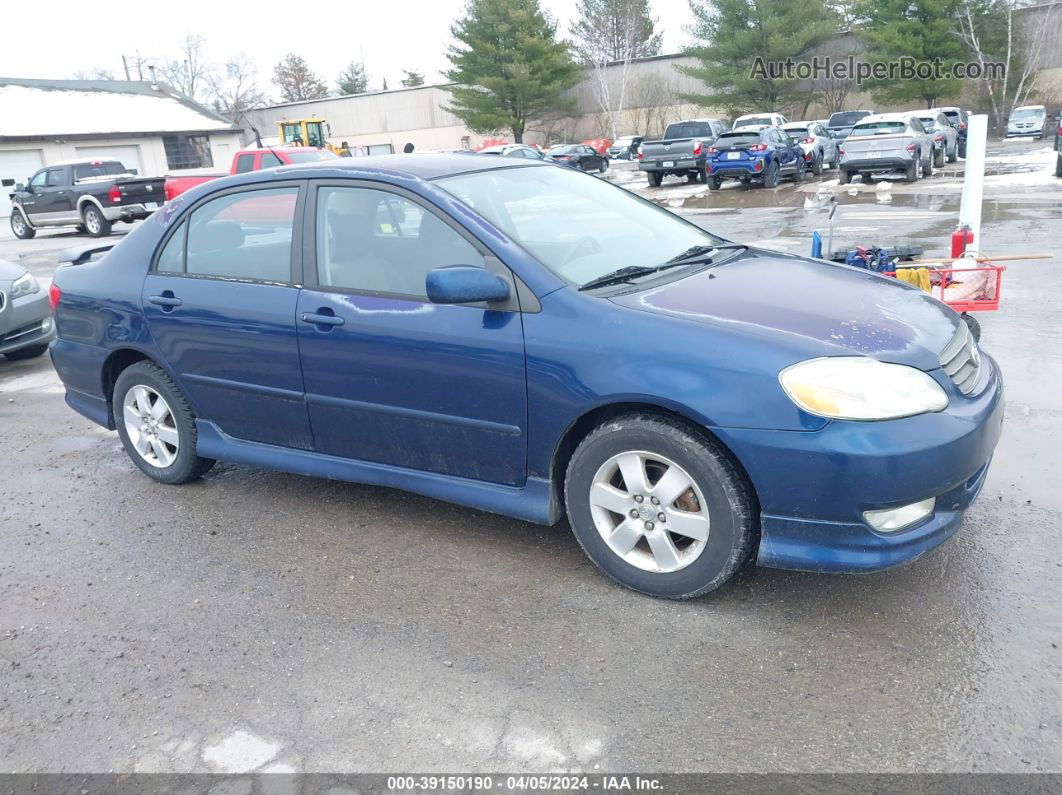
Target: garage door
[128,156]
[16,165]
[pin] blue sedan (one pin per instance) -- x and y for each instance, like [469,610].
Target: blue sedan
[535,342]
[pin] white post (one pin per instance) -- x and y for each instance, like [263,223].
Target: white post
[974,182]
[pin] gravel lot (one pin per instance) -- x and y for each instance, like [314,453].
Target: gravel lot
[264,621]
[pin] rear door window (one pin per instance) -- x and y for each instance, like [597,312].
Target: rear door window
[56,177]
[245,236]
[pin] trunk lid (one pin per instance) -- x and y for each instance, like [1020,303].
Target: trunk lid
[142,190]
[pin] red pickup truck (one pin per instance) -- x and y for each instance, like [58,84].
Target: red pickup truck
[250,160]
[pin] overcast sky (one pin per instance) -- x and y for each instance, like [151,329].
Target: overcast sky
[57,39]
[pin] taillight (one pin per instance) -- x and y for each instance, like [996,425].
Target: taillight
[759,165]
[758,148]
[640,154]
[809,140]
[840,150]
[911,148]
[938,138]
[54,294]
[114,194]
[962,125]
[697,149]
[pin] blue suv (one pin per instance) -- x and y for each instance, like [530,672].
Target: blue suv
[763,156]
[536,342]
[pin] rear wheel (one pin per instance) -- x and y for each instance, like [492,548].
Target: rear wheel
[27,353]
[156,425]
[691,177]
[19,227]
[1058,165]
[95,224]
[714,183]
[846,177]
[770,178]
[604,166]
[655,178]
[927,167]
[962,149]
[914,170]
[938,157]
[801,170]
[659,507]
[816,164]
[953,155]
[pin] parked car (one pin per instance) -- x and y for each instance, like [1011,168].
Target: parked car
[763,155]
[88,194]
[960,120]
[757,121]
[251,160]
[514,150]
[884,143]
[26,325]
[1028,120]
[945,136]
[820,148]
[842,122]
[683,151]
[688,402]
[626,147]
[578,156]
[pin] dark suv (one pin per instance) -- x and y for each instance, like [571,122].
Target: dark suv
[960,120]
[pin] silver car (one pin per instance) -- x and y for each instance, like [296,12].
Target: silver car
[820,148]
[1027,120]
[945,136]
[513,150]
[26,325]
[887,142]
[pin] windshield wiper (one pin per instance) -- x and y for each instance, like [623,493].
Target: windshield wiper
[619,276]
[700,253]
[691,256]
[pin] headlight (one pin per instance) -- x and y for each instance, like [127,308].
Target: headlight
[24,285]
[860,388]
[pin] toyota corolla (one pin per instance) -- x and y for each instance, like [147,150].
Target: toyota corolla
[536,342]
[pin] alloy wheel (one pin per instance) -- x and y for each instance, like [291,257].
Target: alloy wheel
[649,511]
[92,222]
[18,226]
[151,427]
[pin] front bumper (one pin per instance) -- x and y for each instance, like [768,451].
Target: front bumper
[814,486]
[25,322]
[1025,132]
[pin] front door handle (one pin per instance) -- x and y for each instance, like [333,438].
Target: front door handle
[165,300]
[320,319]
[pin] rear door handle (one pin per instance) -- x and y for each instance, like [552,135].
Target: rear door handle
[320,320]
[165,300]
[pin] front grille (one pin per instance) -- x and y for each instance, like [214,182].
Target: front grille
[961,360]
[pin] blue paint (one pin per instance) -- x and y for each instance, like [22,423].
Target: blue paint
[470,403]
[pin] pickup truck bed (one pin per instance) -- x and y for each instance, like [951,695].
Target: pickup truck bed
[682,151]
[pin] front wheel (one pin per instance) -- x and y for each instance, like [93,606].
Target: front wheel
[156,425]
[660,507]
[19,226]
[95,224]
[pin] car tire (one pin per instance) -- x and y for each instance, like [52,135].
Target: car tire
[836,162]
[938,157]
[715,183]
[962,149]
[914,171]
[604,167]
[771,177]
[799,171]
[953,155]
[717,508]
[974,325]
[927,167]
[816,164]
[20,228]
[1058,165]
[655,178]
[164,446]
[692,177]
[32,352]
[846,177]
[94,222]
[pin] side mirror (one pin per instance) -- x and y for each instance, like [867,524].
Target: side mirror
[464,284]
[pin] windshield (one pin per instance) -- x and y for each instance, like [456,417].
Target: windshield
[878,128]
[687,129]
[846,118]
[1027,113]
[536,207]
[311,157]
[761,121]
[952,114]
[737,139]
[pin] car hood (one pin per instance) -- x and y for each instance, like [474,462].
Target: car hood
[9,271]
[828,309]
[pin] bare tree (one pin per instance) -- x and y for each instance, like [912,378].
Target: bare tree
[190,72]
[96,73]
[234,89]
[993,33]
[654,103]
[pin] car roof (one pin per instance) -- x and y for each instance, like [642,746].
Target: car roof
[81,161]
[1031,107]
[425,166]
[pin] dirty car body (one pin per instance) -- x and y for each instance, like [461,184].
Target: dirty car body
[519,344]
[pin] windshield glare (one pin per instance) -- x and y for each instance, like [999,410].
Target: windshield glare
[847,118]
[535,206]
[878,128]
[562,150]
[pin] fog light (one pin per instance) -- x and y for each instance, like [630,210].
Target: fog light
[46,324]
[890,520]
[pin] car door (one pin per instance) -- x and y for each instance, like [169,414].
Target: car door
[219,302]
[59,195]
[390,377]
[34,201]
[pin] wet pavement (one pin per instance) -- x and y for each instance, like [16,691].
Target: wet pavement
[258,620]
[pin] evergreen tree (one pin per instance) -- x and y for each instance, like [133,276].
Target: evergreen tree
[296,81]
[614,30]
[353,79]
[412,79]
[508,66]
[921,30]
[732,37]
